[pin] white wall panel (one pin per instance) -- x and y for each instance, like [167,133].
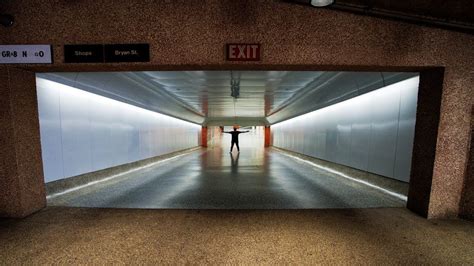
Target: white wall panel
[331,120]
[75,131]
[385,107]
[82,132]
[48,105]
[406,133]
[343,129]
[373,132]
[321,136]
[360,138]
[101,134]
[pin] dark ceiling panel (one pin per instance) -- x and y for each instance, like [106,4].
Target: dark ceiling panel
[452,15]
[458,10]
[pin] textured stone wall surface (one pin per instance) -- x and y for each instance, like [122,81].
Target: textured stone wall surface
[468,192]
[191,34]
[21,174]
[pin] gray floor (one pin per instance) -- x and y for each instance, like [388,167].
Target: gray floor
[255,178]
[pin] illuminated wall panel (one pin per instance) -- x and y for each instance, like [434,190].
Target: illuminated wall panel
[83,132]
[373,132]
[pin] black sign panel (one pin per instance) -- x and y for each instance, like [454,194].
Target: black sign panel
[127,53]
[87,53]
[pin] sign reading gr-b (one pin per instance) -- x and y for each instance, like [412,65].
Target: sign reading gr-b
[25,54]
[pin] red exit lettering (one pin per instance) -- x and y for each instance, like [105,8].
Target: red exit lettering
[243,52]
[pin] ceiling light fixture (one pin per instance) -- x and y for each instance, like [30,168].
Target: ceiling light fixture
[321,3]
[234,86]
[6,20]
[314,3]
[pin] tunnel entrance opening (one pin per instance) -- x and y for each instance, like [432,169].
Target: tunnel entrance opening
[128,139]
[251,137]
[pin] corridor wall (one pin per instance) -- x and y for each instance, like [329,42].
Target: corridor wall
[83,132]
[373,132]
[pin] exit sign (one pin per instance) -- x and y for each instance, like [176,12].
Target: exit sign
[243,52]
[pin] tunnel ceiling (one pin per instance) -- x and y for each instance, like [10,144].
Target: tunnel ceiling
[205,96]
[449,11]
[453,15]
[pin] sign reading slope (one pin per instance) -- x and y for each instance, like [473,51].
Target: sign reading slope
[84,53]
[25,54]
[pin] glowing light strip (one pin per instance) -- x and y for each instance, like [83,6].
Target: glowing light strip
[386,191]
[410,82]
[114,176]
[106,101]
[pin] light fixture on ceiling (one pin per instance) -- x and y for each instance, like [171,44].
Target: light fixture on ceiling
[321,3]
[315,3]
[234,88]
[6,20]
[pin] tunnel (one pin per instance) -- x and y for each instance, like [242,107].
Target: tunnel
[236,132]
[159,139]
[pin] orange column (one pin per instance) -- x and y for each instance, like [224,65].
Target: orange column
[267,136]
[204,136]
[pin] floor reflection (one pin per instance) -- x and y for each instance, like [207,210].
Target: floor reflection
[255,178]
[235,162]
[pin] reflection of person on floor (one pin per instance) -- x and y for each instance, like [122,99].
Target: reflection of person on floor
[234,162]
[235,138]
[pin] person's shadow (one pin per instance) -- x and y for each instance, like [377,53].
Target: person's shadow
[235,163]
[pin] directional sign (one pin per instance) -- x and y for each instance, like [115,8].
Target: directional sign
[25,54]
[127,52]
[109,53]
[84,53]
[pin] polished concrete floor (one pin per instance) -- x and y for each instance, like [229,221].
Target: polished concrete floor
[92,236]
[255,178]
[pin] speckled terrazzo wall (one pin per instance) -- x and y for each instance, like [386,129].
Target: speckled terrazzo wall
[424,146]
[191,34]
[467,202]
[22,183]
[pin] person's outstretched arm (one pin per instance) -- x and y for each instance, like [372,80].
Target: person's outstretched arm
[247,131]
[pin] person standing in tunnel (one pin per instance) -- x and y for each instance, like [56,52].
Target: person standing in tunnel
[235,138]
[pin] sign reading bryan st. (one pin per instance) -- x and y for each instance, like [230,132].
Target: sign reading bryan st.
[115,53]
[243,52]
